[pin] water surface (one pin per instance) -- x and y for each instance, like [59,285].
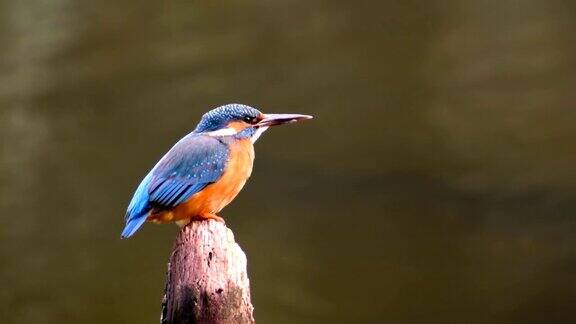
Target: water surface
[435,184]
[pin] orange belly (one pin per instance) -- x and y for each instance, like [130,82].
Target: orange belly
[217,195]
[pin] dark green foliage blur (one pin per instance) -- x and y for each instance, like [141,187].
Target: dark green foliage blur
[436,184]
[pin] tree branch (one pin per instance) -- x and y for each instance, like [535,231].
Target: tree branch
[207,280]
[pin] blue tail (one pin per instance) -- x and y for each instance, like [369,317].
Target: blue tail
[132,225]
[137,209]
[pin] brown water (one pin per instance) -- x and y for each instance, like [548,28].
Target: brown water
[436,184]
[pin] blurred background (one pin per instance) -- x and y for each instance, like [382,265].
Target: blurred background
[437,182]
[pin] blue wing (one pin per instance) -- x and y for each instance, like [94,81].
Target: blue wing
[193,163]
[189,167]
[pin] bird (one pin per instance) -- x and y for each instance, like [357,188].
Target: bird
[204,171]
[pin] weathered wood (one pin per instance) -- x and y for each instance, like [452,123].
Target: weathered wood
[207,280]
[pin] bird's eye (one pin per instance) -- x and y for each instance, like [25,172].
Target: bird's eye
[249,120]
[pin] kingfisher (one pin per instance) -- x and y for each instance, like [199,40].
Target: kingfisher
[205,170]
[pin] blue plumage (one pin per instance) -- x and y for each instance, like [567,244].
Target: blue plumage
[193,163]
[219,118]
[198,160]
[138,208]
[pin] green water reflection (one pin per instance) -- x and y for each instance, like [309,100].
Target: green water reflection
[436,183]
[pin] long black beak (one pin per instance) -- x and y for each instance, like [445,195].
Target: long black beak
[279,119]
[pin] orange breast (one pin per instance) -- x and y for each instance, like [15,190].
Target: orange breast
[216,196]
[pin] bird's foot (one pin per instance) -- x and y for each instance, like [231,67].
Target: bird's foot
[215,217]
[183,222]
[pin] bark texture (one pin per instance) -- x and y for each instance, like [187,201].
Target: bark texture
[207,280]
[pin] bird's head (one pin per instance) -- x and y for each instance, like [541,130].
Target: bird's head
[242,121]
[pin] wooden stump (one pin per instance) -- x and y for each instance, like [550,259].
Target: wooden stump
[207,280]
